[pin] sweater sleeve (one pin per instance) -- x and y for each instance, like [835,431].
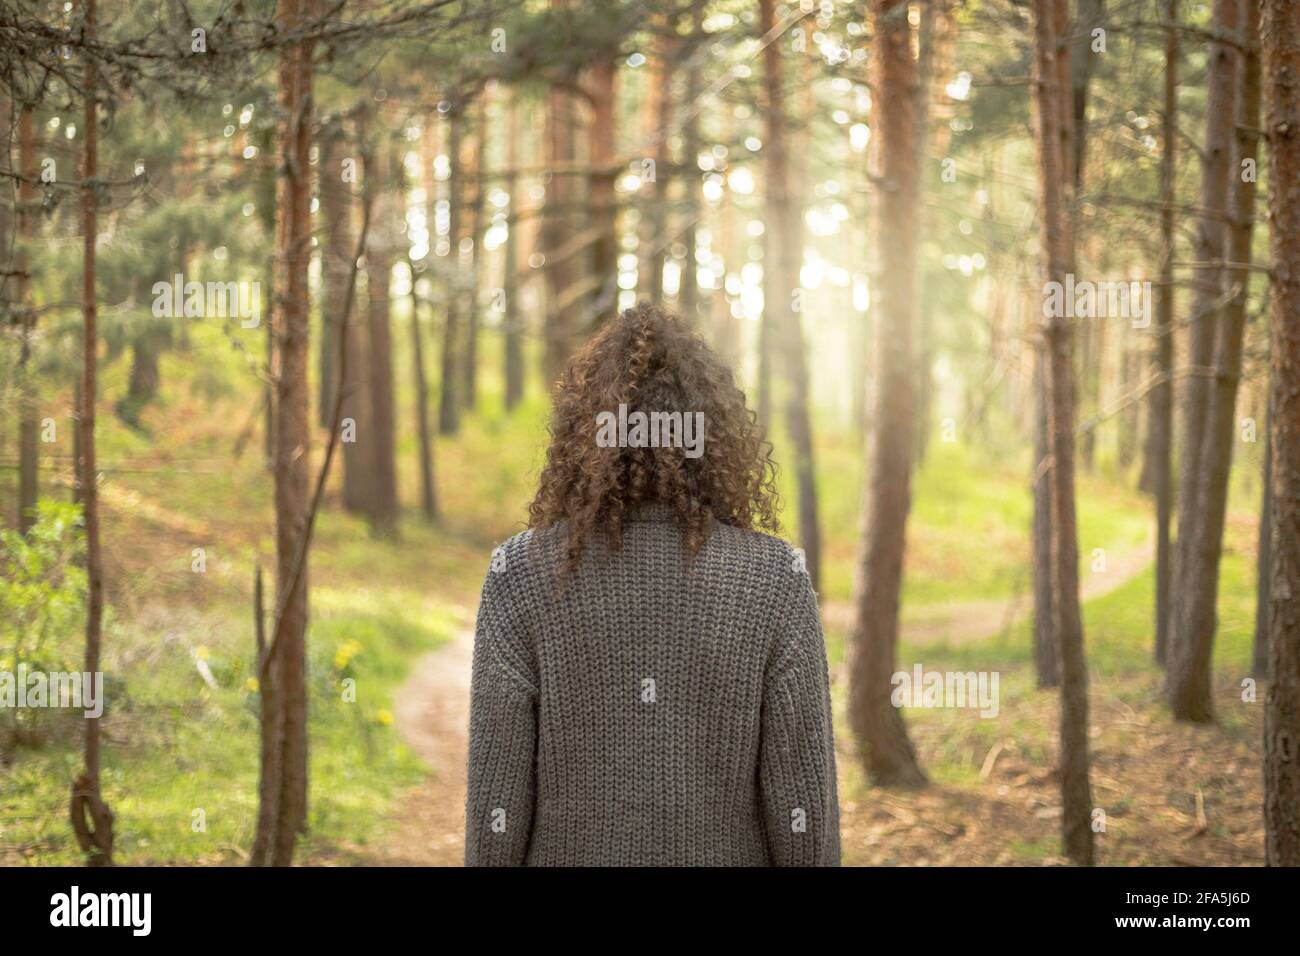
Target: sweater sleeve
[797,750]
[502,773]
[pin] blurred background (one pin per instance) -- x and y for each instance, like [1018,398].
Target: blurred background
[442,202]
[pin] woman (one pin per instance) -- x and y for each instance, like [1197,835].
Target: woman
[650,683]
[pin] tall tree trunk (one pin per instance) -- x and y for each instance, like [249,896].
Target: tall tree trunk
[1047,654]
[1281,53]
[382,242]
[336,213]
[688,295]
[726,330]
[1161,427]
[282,810]
[559,227]
[1208,288]
[886,751]
[1076,821]
[785,253]
[1128,421]
[654,205]
[1047,638]
[1076,80]
[1264,563]
[931,66]
[25,225]
[449,386]
[476,181]
[1190,676]
[424,440]
[604,251]
[92,820]
[514,333]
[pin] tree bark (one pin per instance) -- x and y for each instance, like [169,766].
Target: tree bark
[337,212]
[1191,677]
[1264,563]
[602,149]
[424,439]
[654,205]
[282,810]
[1076,796]
[1161,435]
[476,182]
[514,333]
[559,226]
[1047,655]
[783,258]
[382,243]
[886,751]
[449,386]
[1208,287]
[1076,78]
[25,223]
[92,820]
[688,294]
[1281,54]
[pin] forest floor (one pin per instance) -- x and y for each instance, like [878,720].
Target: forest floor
[396,615]
[1008,814]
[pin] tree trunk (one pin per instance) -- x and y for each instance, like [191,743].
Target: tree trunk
[381,243]
[336,213]
[1190,677]
[885,749]
[688,295]
[25,226]
[1047,656]
[282,810]
[603,147]
[424,439]
[92,820]
[1128,421]
[654,205]
[475,181]
[559,226]
[1281,53]
[449,402]
[1264,564]
[785,253]
[514,333]
[1076,78]
[1076,793]
[1208,288]
[1161,427]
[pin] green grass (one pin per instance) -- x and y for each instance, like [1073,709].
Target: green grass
[176,746]
[968,530]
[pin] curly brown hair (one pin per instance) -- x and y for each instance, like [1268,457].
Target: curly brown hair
[650,361]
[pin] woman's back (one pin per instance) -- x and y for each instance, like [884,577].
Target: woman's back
[649,708]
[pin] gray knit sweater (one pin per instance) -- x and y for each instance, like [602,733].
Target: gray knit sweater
[650,711]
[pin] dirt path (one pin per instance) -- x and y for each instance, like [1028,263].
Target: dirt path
[959,622]
[431,712]
[432,708]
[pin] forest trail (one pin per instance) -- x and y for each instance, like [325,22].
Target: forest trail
[431,709]
[431,712]
[961,622]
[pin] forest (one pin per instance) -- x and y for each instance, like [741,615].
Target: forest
[1011,286]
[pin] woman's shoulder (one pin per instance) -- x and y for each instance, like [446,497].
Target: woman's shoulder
[762,554]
